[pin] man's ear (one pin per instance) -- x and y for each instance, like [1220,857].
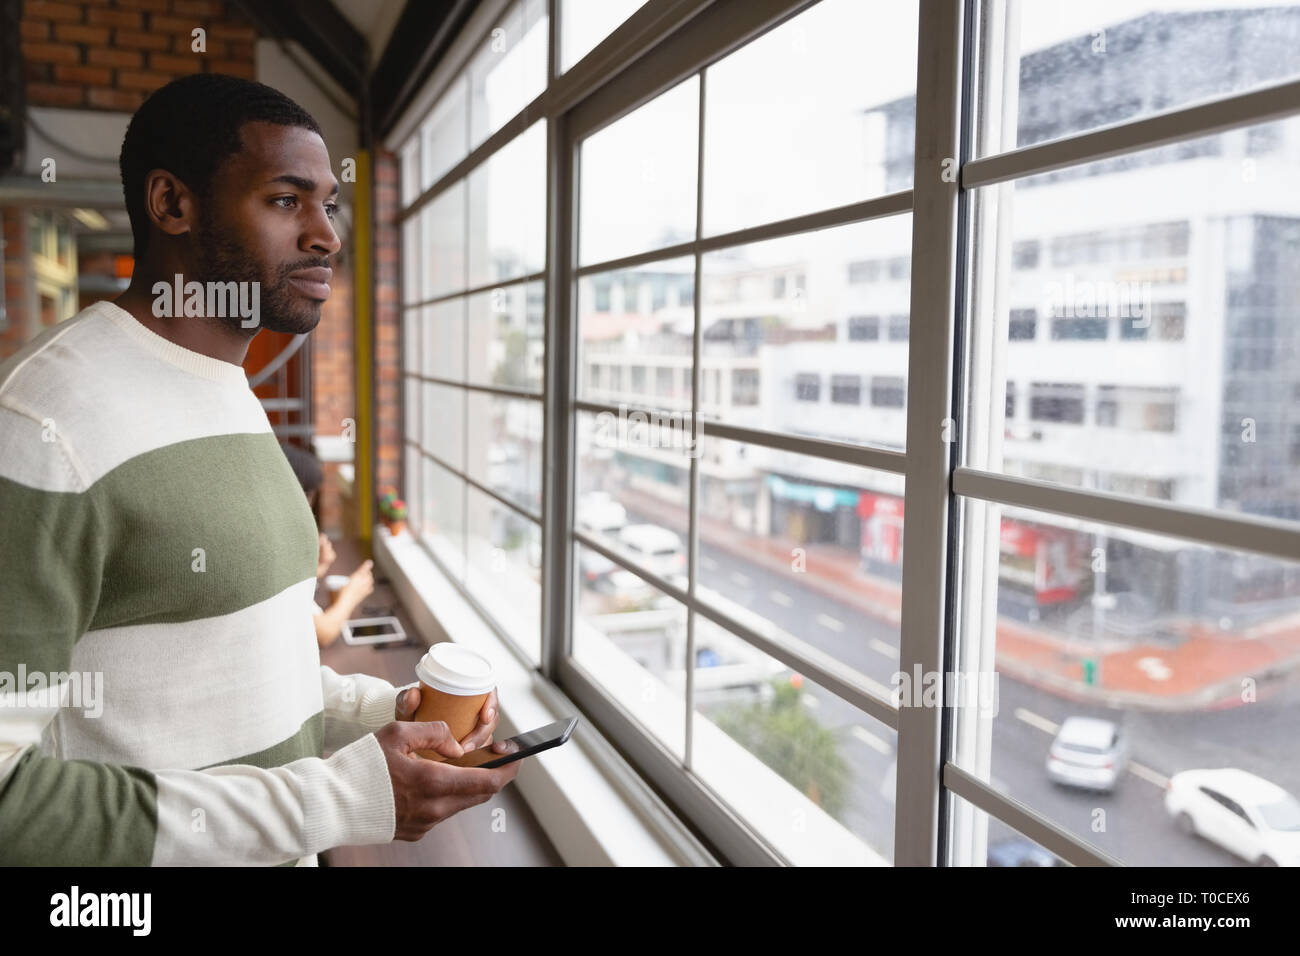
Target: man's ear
[168,203]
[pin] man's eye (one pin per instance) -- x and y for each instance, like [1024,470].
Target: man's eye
[331,209]
[285,199]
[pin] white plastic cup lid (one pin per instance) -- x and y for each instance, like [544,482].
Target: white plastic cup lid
[336,581]
[455,669]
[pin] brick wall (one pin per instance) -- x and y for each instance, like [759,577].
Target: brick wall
[109,54]
[387,358]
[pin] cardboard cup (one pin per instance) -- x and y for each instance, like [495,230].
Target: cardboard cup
[455,682]
[334,583]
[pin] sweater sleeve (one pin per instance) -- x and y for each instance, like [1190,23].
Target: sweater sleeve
[53,811]
[355,704]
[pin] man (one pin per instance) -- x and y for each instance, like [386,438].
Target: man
[155,545]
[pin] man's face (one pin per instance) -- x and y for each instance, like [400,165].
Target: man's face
[270,220]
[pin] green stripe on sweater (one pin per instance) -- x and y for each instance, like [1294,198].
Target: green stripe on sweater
[140,547]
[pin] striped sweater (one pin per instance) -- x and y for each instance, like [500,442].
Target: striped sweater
[154,541]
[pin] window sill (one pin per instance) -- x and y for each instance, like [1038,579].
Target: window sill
[593,806]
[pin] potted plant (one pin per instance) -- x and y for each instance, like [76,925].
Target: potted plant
[393,510]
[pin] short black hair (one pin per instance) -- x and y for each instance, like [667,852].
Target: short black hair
[189,128]
[306,467]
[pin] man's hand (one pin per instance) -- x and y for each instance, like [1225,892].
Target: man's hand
[326,556]
[408,702]
[426,792]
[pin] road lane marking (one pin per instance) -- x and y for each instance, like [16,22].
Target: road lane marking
[870,739]
[740,579]
[782,599]
[880,647]
[1033,720]
[825,620]
[810,701]
[709,563]
[1147,774]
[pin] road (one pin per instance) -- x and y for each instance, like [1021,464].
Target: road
[1130,823]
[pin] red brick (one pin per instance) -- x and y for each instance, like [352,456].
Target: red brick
[138,40]
[132,59]
[51,53]
[86,75]
[147,81]
[196,8]
[232,31]
[37,72]
[49,10]
[238,49]
[76,33]
[132,19]
[115,99]
[34,29]
[152,6]
[181,26]
[48,94]
[176,63]
[241,68]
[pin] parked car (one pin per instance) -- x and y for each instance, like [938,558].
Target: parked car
[656,549]
[1017,851]
[598,511]
[1088,753]
[1245,814]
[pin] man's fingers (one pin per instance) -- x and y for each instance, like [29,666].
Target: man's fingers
[431,735]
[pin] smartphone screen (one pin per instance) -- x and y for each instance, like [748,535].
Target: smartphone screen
[522,745]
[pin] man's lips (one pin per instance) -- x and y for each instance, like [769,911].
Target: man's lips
[313,283]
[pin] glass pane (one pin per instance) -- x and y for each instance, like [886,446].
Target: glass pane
[631,638]
[1134,671]
[633,494]
[817,106]
[507,219]
[412,483]
[443,240]
[584,23]
[509,70]
[638,178]
[813,547]
[411,347]
[444,340]
[982,840]
[817,325]
[410,170]
[443,527]
[443,418]
[505,448]
[810,772]
[445,133]
[508,336]
[412,262]
[635,329]
[504,571]
[1145,327]
[1088,65]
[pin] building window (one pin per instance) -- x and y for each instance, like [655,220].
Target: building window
[744,386]
[1056,402]
[807,387]
[1023,325]
[846,389]
[898,328]
[888,391]
[864,328]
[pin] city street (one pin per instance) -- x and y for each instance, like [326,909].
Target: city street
[1135,826]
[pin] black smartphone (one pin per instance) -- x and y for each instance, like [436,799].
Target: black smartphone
[524,745]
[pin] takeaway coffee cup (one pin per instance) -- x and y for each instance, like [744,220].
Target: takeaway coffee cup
[334,583]
[454,684]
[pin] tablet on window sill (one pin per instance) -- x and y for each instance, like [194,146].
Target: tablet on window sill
[373,630]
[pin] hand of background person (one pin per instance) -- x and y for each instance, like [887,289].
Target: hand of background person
[408,702]
[361,583]
[327,557]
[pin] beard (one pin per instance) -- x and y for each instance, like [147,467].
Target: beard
[222,258]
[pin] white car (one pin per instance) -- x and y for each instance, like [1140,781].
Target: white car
[1089,753]
[656,549]
[1245,814]
[598,511]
